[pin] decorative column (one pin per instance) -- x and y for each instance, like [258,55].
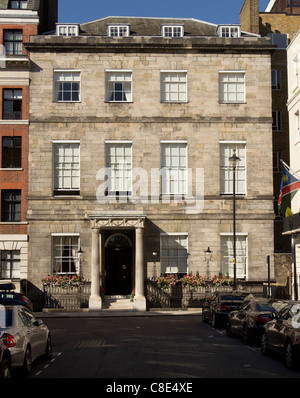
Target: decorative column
[139,302]
[95,302]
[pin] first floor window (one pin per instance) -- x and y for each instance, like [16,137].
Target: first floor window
[11,205]
[119,165]
[174,168]
[174,253]
[65,255]
[11,152]
[66,86]
[226,171]
[12,104]
[66,168]
[227,255]
[232,87]
[13,42]
[173,86]
[10,264]
[118,86]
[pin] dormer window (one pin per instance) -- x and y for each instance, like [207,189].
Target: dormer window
[172,31]
[229,31]
[21,4]
[118,30]
[67,30]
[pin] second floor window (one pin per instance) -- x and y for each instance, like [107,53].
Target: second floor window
[173,86]
[66,86]
[11,152]
[118,86]
[232,87]
[13,42]
[11,205]
[12,104]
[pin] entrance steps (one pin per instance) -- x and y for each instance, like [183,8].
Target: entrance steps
[117,302]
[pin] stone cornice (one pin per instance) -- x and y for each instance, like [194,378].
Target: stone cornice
[149,44]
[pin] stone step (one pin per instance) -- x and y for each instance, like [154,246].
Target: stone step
[118,302]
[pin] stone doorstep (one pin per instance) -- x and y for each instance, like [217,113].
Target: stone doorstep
[117,302]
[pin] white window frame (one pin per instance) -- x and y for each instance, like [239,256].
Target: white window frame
[172,83]
[119,171]
[11,266]
[174,177]
[231,87]
[226,172]
[227,266]
[64,236]
[276,79]
[66,76]
[231,31]
[297,127]
[67,30]
[122,77]
[172,31]
[118,30]
[58,169]
[170,262]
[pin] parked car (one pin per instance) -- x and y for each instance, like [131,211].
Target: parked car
[282,334]
[216,306]
[26,337]
[249,319]
[5,362]
[7,296]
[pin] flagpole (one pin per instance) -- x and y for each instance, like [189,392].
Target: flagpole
[289,169]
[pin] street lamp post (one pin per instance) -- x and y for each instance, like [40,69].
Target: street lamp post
[233,161]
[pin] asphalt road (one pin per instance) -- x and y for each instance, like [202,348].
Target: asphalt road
[181,348]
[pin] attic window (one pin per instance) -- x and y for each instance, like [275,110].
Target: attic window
[118,30]
[67,30]
[229,31]
[21,4]
[172,31]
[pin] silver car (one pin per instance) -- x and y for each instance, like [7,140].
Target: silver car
[26,337]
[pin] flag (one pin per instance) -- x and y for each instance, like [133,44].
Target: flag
[288,188]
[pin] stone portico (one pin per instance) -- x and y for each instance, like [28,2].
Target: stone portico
[98,267]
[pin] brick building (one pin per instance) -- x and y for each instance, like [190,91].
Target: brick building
[19,20]
[129,152]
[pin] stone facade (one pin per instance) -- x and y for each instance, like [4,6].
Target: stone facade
[202,122]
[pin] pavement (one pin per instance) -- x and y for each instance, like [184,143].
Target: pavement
[107,313]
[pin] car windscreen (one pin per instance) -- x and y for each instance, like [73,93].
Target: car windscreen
[265,307]
[5,317]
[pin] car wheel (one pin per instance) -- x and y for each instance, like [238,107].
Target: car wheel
[290,359]
[49,348]
[27,365]
[264,346]
[5,371]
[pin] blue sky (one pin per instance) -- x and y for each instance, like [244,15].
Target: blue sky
[214,11]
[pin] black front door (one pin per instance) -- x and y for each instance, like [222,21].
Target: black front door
[118,270]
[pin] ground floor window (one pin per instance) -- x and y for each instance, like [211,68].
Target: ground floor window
[227,255]
[10,264]
[65,259]
[174,253]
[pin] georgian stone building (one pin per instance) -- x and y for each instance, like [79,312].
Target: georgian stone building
[132,123]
